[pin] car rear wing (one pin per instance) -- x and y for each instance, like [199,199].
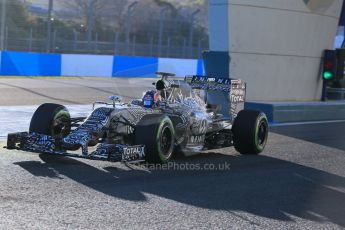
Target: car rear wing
[236,87]
[209,83]
[230,93]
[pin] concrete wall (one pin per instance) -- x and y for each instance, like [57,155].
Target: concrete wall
[40,64]
[277,45]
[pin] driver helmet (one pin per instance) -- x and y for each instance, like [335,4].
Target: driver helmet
[150,98]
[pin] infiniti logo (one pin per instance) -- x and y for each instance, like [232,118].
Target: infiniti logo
[319,6]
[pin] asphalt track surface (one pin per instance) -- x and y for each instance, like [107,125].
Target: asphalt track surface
[35,91]
[297,183]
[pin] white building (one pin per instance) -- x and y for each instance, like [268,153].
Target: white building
[275,45]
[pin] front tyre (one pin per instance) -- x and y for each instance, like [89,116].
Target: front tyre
[156,132]
[250,132]
[52,120]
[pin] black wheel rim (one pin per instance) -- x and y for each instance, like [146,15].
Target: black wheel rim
[166,141]
[61,126]
[262,133]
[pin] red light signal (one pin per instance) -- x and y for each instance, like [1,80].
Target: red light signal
[328,65]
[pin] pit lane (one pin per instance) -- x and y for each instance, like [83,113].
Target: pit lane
[298,182]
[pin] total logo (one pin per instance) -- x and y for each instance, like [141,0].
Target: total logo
[133,152]
[318,6]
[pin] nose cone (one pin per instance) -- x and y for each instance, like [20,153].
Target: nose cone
[77,139]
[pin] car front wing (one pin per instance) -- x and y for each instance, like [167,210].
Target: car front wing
[39,143]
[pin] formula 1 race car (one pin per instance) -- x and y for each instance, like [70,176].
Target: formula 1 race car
[176,116]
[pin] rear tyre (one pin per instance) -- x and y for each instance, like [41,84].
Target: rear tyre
[156,132]
[250,132]
[51,119]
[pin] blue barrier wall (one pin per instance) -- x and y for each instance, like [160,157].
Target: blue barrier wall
[39,64]
[30,64]
[134,66]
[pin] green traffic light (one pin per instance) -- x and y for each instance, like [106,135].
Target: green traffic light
[327,75]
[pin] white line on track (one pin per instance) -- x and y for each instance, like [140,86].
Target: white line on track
[305,123]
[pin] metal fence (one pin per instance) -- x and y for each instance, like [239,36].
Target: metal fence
[123,27]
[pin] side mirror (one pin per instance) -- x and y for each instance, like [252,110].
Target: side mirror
[115,98]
